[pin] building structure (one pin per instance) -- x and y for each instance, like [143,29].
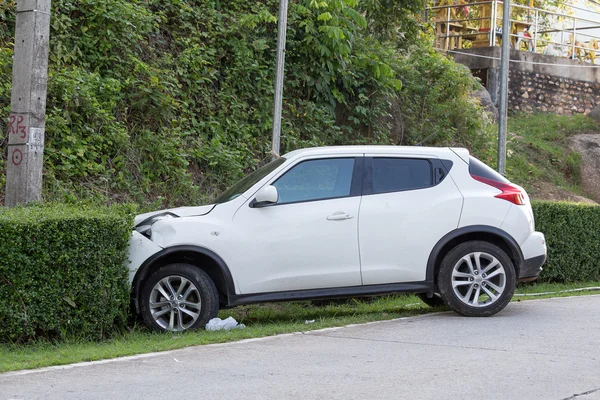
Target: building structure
[554,57]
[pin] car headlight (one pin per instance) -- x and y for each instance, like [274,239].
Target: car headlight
[145,227]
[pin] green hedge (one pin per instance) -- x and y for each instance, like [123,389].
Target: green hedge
[573,237]
[62,271]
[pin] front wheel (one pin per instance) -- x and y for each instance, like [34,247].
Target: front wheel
[179,297]
[477,279]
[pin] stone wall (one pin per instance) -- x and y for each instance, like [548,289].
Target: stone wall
[531,91]
[538,83]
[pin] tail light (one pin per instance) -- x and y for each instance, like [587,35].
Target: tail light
[509,192]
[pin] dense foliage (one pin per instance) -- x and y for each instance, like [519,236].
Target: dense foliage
[170,101]
[573,238]
[62,272]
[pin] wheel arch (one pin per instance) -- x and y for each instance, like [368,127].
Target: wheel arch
[466,234]
[200,257]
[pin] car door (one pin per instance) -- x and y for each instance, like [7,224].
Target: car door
[309,238]
[408,204]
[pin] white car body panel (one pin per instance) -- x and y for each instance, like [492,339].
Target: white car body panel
[534,246]
[140,249]
[396,239]
[305,249]
[480,206]
[294,246]
[213,232]
[520,224]
[180,212]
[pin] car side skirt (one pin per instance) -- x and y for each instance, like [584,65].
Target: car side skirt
[332,293]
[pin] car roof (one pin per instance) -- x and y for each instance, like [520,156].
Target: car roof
[407,150]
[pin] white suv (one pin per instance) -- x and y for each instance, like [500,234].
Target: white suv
[335,222]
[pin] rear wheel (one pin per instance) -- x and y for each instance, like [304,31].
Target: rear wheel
[179,297]
[477,279]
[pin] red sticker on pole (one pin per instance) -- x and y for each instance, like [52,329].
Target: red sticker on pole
[17,157]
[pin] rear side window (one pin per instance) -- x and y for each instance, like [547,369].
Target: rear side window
[478,168]
[398,174]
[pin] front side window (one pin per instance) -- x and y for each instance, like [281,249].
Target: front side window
[398,174]
[316,180]
[246,183]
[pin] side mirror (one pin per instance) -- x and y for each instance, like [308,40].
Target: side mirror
[265,196]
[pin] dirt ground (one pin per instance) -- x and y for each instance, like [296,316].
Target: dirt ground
[547,191]
[588,145]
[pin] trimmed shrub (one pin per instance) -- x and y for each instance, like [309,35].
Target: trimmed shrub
[573,237]
[62,271]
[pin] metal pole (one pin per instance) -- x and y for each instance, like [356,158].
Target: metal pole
[281,29]
[28,103]
[503,106]
[493,23]
[447,44]
[535,32]
[574,38]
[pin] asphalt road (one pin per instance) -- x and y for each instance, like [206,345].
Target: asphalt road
[542,349]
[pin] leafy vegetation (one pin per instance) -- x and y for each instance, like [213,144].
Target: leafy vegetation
[538,151]
[62,272]
[168,102]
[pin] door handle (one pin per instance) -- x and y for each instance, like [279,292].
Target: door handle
[339,216]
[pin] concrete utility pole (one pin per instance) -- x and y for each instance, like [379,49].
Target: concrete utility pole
[28,103]
[280,67]
[503,102]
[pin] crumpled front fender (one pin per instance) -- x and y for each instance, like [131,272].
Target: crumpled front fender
[140,249]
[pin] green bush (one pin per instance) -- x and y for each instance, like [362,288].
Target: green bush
[573,237]
[62,271]
[436,105]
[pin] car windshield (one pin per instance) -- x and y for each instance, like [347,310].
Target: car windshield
[247,182]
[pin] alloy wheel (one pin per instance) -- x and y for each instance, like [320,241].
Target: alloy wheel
[175,303]
[478,279]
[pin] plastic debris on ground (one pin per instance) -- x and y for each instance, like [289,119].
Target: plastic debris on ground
[309,321]
[217,324]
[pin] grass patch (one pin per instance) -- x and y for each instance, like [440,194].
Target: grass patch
[261,320]
[550,290]
[538,151]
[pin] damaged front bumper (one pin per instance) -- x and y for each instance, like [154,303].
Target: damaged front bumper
[140,249]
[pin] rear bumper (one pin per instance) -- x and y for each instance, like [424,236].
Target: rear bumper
[534,254]
[531,268]
[534,246]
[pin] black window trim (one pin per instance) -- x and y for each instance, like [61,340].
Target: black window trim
[481,169]
[356,185]
[434,163]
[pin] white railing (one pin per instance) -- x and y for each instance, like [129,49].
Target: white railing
[479,24]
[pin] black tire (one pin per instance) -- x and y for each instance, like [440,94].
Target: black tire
[434,301]
[477,287]
[193,299]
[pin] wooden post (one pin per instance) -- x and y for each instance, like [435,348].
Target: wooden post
[28,103]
